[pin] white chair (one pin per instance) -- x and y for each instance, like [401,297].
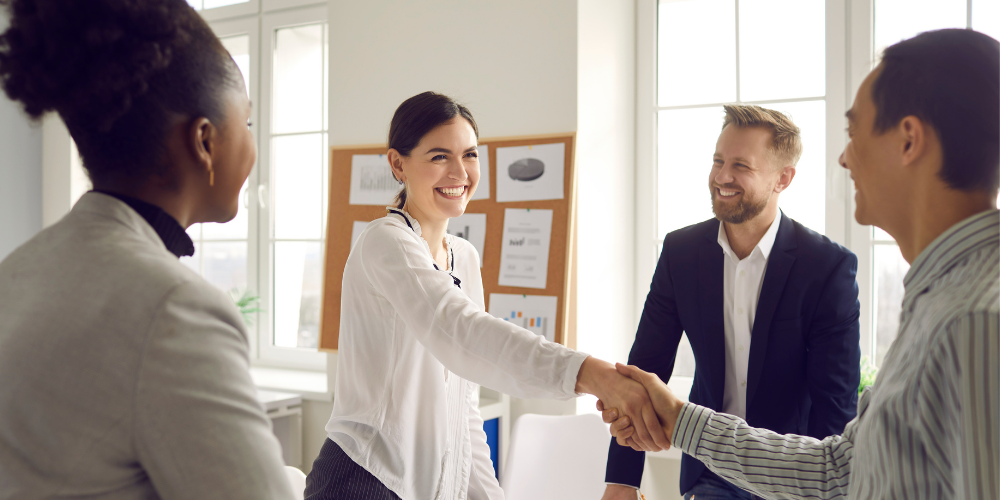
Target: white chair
[556,458]
[298,480]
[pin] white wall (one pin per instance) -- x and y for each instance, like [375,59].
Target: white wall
[606,180]
[512,62]
[20,173]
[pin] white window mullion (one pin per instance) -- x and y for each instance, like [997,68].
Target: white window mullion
[269,243]
[646,247]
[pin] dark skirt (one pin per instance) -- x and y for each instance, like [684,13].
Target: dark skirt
[335,475]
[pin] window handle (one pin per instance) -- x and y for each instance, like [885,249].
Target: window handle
[261,193]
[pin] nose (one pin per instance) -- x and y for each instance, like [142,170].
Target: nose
[724,175]
[456,170]
[842,159]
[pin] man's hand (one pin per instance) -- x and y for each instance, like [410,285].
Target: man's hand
[620,492]
[618,391]
[667,406]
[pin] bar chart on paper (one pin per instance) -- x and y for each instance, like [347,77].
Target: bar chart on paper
[535,324]
[535,313]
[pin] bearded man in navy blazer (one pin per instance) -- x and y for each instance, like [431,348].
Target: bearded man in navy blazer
[770,307]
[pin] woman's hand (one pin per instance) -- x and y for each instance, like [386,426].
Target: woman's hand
[629,397]
[666,404]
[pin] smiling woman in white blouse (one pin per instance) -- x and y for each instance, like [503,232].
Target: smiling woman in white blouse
[415,338]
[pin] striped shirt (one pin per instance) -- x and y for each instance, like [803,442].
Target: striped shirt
[928,429]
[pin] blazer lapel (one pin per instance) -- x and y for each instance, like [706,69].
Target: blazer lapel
[713,331]
[779,263]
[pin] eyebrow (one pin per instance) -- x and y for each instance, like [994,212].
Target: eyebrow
[448,151]
[739,159]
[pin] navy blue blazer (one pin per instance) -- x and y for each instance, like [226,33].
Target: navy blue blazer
[805,349]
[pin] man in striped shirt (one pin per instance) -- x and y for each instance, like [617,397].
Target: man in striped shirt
[924,154]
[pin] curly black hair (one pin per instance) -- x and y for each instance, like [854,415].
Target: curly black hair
[118,72]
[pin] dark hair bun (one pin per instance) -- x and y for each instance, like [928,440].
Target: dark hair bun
[87,60]
[119,72]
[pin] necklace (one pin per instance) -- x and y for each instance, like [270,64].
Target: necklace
[451,253]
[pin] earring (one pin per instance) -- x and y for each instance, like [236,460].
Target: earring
[211,178]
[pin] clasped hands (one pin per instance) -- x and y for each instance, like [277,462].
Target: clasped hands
[641,409]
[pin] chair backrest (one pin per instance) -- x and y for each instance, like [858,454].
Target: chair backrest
[298,480]
[556,458]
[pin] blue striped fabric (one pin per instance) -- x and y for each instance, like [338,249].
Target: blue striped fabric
[928,429]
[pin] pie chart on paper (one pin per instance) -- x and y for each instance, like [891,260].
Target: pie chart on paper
[526,169]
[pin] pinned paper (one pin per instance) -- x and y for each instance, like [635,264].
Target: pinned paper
[535,313]
[471,227]
[372,182]
[524,254]
[527,173]
[483,191]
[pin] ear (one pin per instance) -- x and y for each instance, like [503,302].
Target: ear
[396,164]
[202,139]
[785,178]
[913,134]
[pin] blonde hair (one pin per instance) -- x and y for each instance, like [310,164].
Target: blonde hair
[786,140]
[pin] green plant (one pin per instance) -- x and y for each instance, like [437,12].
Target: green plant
[868,373]
[247,302]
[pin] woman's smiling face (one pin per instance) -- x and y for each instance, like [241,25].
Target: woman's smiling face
[442,172]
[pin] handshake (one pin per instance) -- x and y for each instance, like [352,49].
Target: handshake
[641,409]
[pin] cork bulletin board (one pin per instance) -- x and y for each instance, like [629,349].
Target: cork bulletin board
[561,258]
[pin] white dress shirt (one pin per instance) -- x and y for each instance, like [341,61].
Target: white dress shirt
[413,347]
[741,284]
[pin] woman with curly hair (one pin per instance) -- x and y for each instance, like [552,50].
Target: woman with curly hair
[122,373]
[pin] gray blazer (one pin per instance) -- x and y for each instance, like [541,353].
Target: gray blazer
[122,373]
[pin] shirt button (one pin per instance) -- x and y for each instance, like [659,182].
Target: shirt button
[739,311]
[743,273]
[741,348]
[744,383]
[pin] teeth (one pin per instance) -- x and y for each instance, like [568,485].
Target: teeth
[452,191]
[723,192]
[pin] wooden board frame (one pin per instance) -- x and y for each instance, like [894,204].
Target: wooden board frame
[562,251]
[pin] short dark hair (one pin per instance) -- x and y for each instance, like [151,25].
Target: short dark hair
[949,79]
[417,116]
[118,72]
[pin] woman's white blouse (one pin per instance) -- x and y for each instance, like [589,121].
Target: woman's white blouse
[413,348]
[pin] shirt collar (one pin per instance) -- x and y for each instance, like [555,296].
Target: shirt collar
[174,237]
[950,248]
[765,244]
[407,218]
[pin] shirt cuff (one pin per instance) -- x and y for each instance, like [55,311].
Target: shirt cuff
[689,425]
[622,484]
[573,373]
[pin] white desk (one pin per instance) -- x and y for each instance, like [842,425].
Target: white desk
[285,411]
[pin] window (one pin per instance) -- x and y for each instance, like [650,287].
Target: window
[804,57]
[740,57]
[897,20]
[296,172]
[274,247]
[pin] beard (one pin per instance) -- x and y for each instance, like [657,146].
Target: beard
[750,206]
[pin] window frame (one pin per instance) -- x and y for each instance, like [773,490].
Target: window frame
[270,354]
[227,12]
[260,25]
